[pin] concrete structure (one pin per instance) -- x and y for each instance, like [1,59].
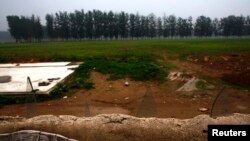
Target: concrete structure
[38,72]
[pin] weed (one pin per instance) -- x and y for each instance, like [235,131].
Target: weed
[88,85]
[58,90]
[201,84]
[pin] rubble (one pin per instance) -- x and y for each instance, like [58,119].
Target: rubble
[189,86]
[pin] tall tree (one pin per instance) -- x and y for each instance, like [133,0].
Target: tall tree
[80,23]
[152,25]
[247,26]
[111,24]
[50,25]
[89,24]
[132,25]
[216,27]
[123,24]
[73,25]
[26,28]
[14,27]
[38,30]
[172,25]
[159,27]
[166,27]
[137,26]
[203,26]
[184,27]
[232,25]
[97,23]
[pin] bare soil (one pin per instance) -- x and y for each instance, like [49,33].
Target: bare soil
[154,99]
[142,99]
[232,68]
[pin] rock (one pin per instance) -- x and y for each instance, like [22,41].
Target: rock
[126,83]
[127,98]
[206,58]
[203,109]
[65,97]
[196,60]
[189,86]
[174,75]
[240,107]
[225,58]
[110,86]
[43,83]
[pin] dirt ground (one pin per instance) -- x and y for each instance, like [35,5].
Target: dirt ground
[155,99]
[232,68]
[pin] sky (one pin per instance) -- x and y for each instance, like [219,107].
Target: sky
[180,8]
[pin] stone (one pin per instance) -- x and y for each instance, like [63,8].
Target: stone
[203,109]
[206,58]
[189,86]
[225,58]
[65,97]
[126,83]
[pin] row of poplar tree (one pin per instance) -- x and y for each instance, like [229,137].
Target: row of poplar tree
[109,25]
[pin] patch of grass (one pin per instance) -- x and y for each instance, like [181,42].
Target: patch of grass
[88,85]
[201,84]
[137,69]
[58,91]
[6,100]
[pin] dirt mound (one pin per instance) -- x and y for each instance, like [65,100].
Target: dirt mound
[121,127]
[233,68]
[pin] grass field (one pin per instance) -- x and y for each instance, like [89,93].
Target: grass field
[80,50]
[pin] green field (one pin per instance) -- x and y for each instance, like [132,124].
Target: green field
[80,50]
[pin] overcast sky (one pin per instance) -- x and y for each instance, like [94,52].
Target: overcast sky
[182,8]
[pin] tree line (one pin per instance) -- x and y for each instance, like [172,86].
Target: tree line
[97,24]
[26,28]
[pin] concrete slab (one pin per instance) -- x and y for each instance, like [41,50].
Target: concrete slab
[44,64]
[37,73]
